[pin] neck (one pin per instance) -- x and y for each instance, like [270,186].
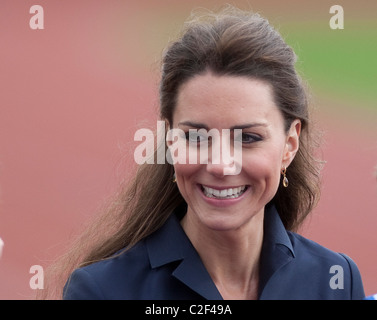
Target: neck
[231,257]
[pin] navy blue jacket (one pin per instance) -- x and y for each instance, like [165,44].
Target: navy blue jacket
[165,265]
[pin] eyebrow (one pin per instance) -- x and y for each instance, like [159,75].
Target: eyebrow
[241,126]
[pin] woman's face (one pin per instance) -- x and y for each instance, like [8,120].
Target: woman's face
[224,201]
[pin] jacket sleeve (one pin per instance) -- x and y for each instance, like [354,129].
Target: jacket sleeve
[357,289]
[82,286]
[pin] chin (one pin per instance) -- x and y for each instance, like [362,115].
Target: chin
[224,223]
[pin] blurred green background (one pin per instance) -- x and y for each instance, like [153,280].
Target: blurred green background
[339,63]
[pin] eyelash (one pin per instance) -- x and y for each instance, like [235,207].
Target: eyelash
[254,137]
[189,135]
[251,137]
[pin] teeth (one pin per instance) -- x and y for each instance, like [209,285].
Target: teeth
[225,193]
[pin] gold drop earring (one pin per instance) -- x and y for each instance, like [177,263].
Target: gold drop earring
[285,179]
[174,178]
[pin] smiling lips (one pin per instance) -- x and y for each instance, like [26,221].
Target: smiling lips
[223,194]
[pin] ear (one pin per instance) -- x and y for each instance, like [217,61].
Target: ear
[292,143]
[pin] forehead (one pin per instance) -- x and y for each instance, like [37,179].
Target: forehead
[224,101]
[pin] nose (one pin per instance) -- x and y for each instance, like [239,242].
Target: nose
[223,161]
[217,170]
[223,168]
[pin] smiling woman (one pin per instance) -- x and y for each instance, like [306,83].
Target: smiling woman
[191,231]
[229,100]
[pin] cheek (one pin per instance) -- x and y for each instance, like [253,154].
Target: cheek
[263,168]
[185,174]
[186,171]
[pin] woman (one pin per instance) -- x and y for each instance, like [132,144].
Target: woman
[192,231]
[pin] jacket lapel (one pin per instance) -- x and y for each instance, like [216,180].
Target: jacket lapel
[193,274]
[170,244]
[277,250]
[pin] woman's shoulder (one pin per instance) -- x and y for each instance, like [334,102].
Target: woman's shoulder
[124,258]
[94,280]
[338,266]
[307,248]
[312,271]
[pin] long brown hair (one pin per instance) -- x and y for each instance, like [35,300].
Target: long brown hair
[231,42]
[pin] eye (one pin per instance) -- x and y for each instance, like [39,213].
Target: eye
[195,137]
[248,138]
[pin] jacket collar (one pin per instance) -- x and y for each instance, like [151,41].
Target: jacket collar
[170,244]
[274,230]
[277,249]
